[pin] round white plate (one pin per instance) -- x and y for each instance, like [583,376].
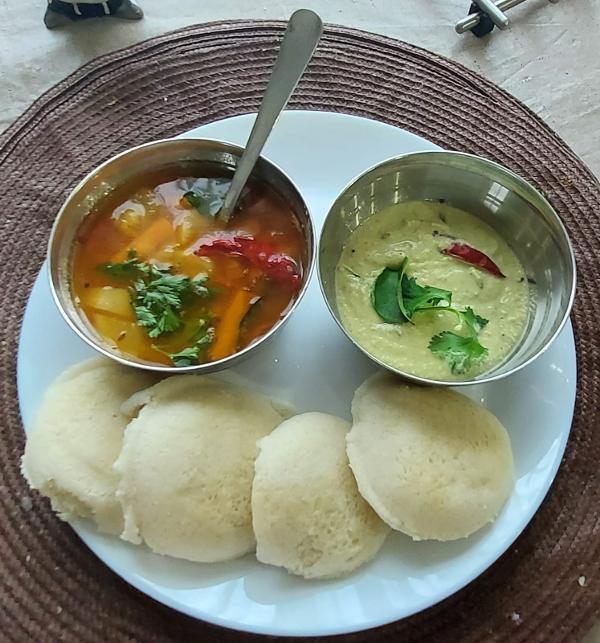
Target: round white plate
[311,364]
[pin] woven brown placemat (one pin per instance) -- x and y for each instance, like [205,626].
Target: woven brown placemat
[51,587]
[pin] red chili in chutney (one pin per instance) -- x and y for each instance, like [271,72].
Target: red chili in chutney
[161,278]
[468,254]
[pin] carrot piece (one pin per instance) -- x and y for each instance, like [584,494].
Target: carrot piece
[227,329]
[157,233]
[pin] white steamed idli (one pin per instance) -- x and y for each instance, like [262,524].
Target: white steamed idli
[76,437]
[431,462]
[306,510]
[187,466]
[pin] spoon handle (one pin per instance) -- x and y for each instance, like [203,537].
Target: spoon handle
[299,42]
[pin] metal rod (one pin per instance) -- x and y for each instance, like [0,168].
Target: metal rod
[299,42]
[497,17]
[466,24]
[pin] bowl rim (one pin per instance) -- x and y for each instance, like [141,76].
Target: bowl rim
[206,367]
[493,376]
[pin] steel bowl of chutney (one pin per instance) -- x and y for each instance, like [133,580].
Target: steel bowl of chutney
[144,270]
[446,268]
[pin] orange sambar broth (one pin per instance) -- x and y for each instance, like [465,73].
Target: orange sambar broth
[166,232]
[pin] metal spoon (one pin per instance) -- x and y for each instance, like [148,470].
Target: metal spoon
[299,42]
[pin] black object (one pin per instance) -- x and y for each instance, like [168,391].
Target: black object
[60,12]
[485,25]
[85,10]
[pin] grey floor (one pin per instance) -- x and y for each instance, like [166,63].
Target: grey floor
[549,58]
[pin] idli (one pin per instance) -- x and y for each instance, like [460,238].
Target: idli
[187,466]
[306,510]
[431,462]
[76,437]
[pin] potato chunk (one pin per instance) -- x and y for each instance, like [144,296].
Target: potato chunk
[113,301]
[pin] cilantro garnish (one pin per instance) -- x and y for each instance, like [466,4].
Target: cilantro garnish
[197,201]
[461,351]
[397,298]
[190,355]
[414,297]
[473,321]
[157,296]
[129,268]
[206,195]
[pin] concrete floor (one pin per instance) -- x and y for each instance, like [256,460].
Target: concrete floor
[548,58]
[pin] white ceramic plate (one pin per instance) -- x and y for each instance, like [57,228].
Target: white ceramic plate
[311,364]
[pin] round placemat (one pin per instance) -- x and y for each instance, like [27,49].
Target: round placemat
[547,586]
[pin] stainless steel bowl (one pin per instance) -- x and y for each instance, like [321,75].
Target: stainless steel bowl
[118,171]
[518,212]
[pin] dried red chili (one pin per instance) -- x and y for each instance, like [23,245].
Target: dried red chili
[472,256]
[275,265]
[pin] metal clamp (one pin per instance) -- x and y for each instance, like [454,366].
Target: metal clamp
[484,15]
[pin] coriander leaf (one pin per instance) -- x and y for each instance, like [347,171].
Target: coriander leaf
[474,322]
[200,279]
[144,316]
[186,357]
[168,321]
[197,201]
[199,288]
[119,270]
[126,269]
[384,297]
[191,355]
[413,297]
[158,301]
[460,352]
[157,296]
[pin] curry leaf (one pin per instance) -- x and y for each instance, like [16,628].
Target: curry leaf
[397,297]
[385,296]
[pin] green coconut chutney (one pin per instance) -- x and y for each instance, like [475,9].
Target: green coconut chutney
[420,230]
